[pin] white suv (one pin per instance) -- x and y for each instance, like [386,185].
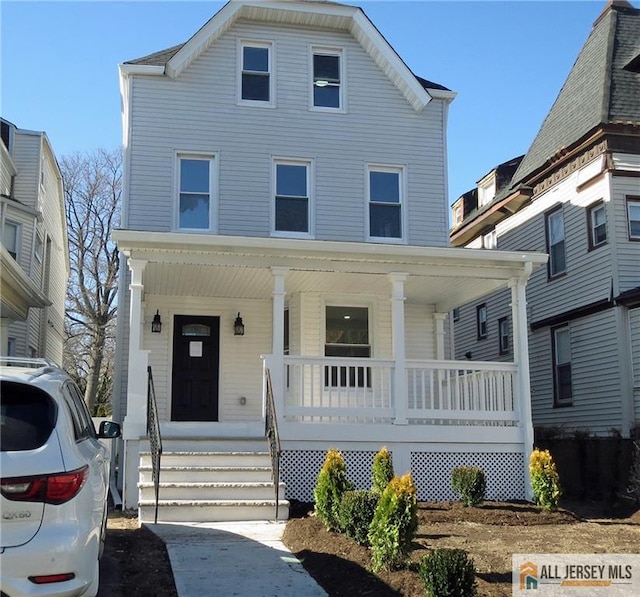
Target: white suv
[54,485]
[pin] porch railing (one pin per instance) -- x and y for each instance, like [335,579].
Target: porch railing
[336,390]
[155,439]
[273,438]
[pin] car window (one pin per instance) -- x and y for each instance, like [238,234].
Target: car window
[27,417]
[79,412]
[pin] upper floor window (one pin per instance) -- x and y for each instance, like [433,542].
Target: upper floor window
[597,225]
[481,321]
[256,80]
[195,187]
[11,238]
[327,80]
[561,351]
[490,240]
[385,193]
[458,214]
[39,248]
[633,211]
[503,335]
[292,198]
[555,243]
[487,191]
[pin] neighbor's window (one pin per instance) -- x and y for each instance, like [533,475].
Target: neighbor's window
[633,211]
[347,335]
[503,334]
[292,198]
[10,238]
[327,90]
[195,192]
[555,243]
[597,225]
[456,314]
[481,321]
[255,80]
[561,349]
[39,248]
[385,191]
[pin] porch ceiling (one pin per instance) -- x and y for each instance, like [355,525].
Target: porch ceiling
[233,267]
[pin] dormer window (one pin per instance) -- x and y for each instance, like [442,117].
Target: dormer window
[486,190]
[458,214]
[255,77]
[327,79]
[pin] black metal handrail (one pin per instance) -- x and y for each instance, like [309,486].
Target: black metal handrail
[155,439]
[271,433]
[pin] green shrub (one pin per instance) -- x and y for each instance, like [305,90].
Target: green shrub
[394,523]
[356,513]
[448,573]
[331,484]
[382,471]
[469,483]
[545,481]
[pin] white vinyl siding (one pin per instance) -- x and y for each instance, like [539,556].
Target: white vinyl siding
[199,112]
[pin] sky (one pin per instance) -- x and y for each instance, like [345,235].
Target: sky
[507,61]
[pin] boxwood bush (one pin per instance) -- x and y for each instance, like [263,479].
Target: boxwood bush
[469,483]
[448,573]
[356,513]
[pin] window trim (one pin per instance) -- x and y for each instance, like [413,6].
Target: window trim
[547,216]
[557,402]
[254,43]
[480,324]
[328,51]
[635,200]
[402,186]
[591,209]
[214,161]
[504,346]
[309,163]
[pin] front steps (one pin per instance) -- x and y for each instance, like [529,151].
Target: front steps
[204,480]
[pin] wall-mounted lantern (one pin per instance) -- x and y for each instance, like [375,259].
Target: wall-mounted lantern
[156,324]
[238,326]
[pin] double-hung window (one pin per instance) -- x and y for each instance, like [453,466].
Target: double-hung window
[11,238]
[597,225]
[555,243]
[385,188]
[481,321]
[255,77]
[327,79]
[347,335]
[195,192]
[292,198]
[503,335]
[561,338]
[633,213]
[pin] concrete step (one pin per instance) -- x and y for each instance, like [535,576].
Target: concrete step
[208,474]
[212,510]
[207,444]
[206,458]
[211,491]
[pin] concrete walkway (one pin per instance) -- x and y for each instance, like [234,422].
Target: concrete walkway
[229,559]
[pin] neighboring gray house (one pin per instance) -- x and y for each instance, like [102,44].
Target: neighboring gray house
[285,219]
[576,196]
[34,254]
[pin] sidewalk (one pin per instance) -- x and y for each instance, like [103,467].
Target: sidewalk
[234,559]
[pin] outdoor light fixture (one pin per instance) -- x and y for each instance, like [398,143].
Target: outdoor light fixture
[156,324]
[238,326]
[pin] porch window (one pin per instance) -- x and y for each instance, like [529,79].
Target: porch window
[481,321]
[385,194]
[327,89]
[597,225]
[347,335]
[555,243]
[255,79]
[633,211]
[292,198]
[561,349]
[195,190]
[10,238]
[503,334]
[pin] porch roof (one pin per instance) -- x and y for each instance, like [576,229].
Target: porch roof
[215,265]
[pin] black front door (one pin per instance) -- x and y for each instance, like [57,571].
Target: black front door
[194,380]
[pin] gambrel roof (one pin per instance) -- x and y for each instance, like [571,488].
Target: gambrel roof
[603,88]
[325,15]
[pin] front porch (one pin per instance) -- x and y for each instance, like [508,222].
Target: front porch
[393,383]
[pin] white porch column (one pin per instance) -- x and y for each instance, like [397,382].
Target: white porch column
[277,339]
[398,344]
[134,424]
[522,387]
[439,321]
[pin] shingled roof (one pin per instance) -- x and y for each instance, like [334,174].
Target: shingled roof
[602,88]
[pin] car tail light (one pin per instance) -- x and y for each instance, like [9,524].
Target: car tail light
[49,578]
[50,489]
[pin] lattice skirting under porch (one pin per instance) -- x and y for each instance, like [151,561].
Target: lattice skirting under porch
[431,472]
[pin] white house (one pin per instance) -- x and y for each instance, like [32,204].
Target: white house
[285,170]
[575,195]
[34,255]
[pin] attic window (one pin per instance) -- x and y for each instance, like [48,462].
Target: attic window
[255,77]
[327,79]
[486,191]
